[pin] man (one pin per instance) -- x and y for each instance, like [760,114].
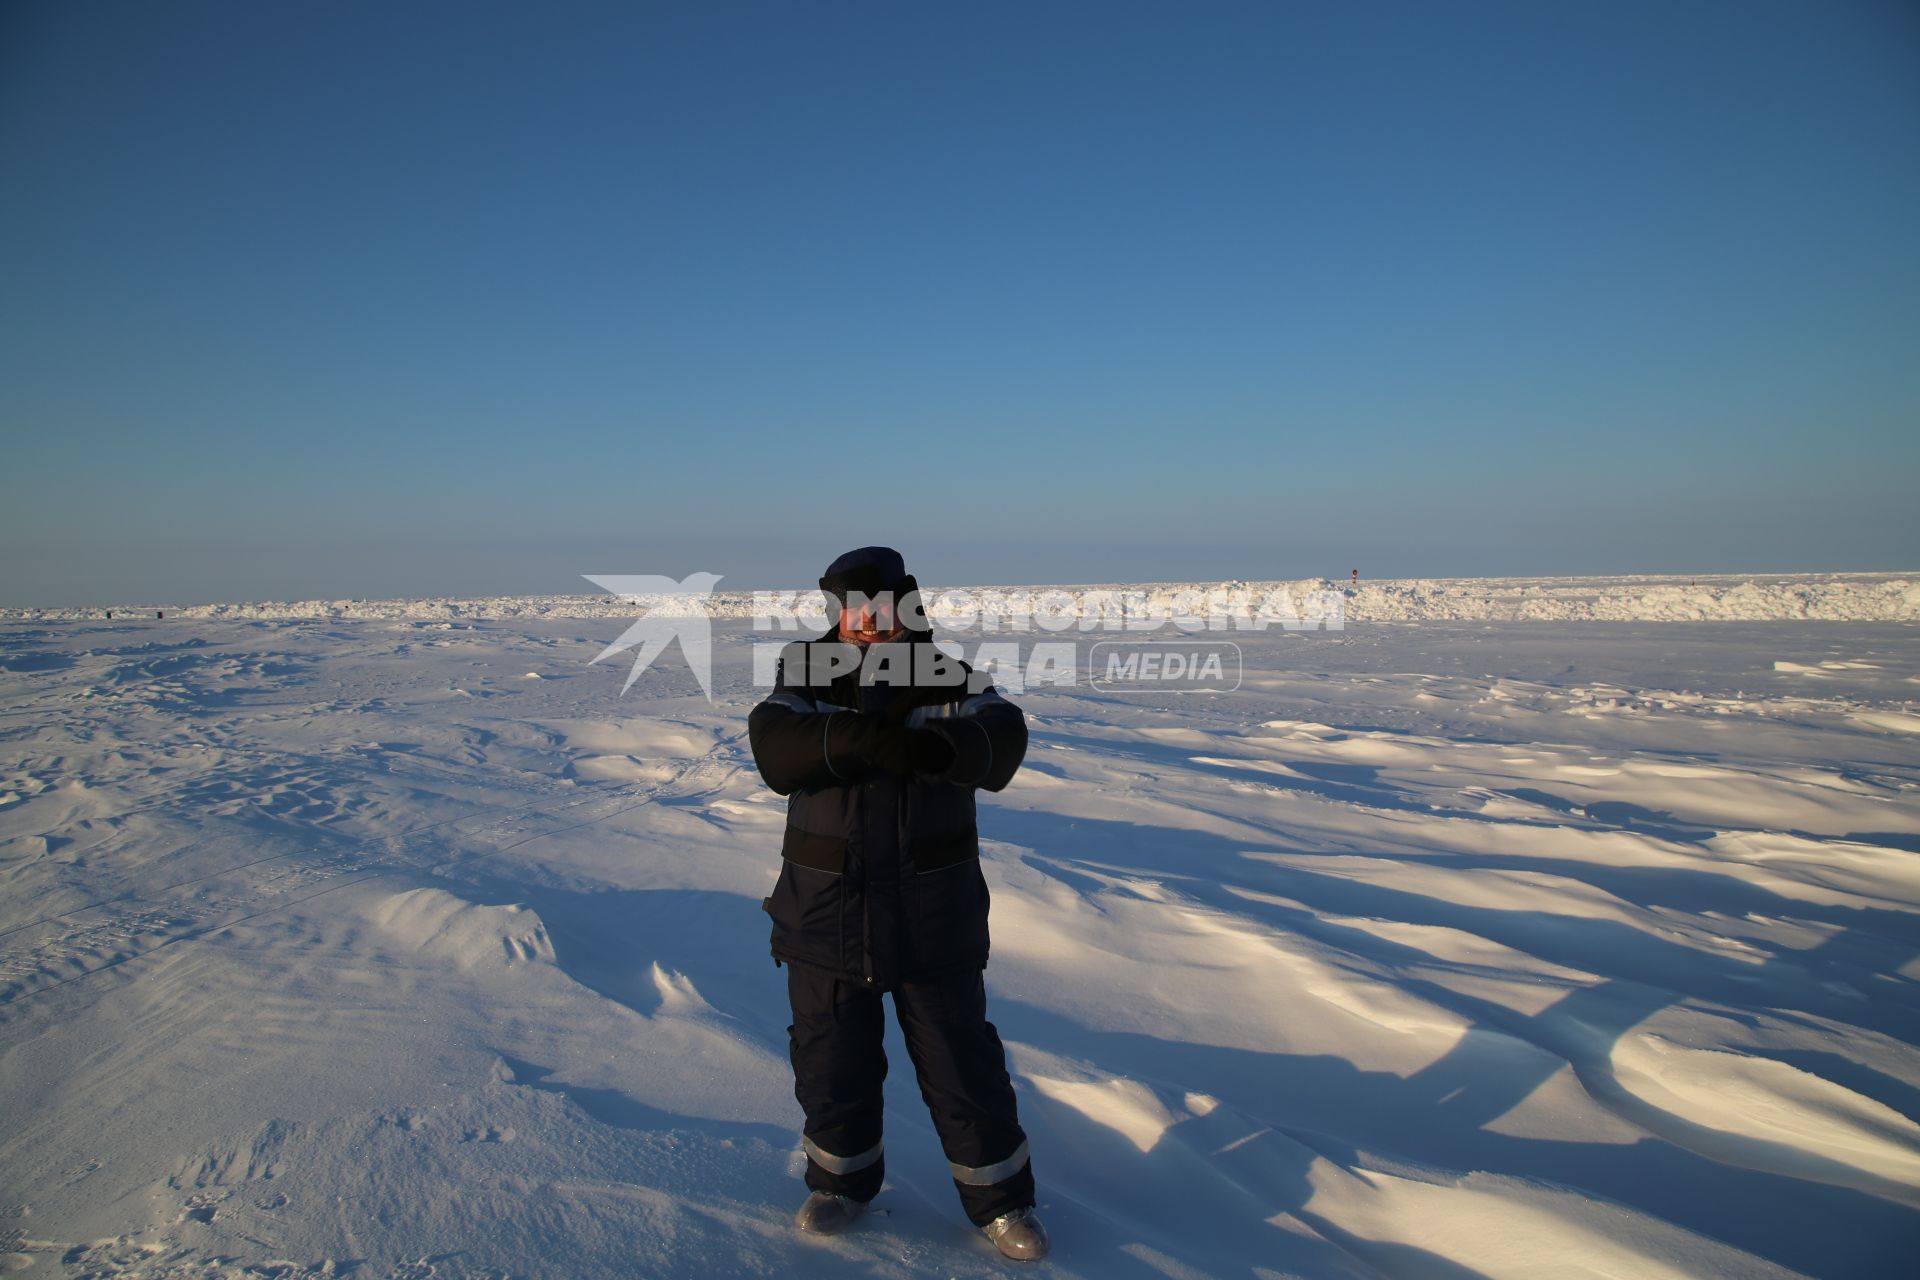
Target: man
[879,741]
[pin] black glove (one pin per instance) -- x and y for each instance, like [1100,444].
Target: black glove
[901,750]
[931,751]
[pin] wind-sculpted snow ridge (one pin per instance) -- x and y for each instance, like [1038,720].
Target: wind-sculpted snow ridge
[1829,597]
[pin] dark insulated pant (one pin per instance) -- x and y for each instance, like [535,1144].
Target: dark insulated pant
[838,1066]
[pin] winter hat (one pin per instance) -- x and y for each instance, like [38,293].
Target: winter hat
[868,570]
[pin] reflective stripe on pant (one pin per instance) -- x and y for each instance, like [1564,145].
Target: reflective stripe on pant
[839,1067]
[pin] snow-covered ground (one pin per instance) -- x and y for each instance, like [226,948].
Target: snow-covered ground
[406,946]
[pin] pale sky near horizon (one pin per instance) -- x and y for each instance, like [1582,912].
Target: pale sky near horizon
[356,299]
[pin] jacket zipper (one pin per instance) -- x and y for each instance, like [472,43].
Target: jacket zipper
[866,880]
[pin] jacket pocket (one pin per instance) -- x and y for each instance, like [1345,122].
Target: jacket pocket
[947,917]
[813,850]
[806,909]
[944,849]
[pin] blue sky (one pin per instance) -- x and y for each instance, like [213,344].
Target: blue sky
[373,299]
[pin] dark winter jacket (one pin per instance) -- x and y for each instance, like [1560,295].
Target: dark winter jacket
[880,878]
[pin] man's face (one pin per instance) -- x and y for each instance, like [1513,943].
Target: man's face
[865,621]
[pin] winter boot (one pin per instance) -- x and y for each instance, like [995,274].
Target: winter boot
[1018,1235]
[828,1215]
